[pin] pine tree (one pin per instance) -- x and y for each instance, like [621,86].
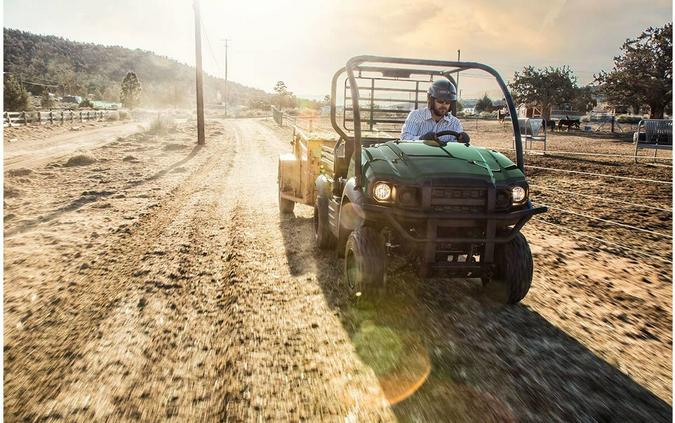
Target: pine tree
[14,94]
[46,102]
[130,91]
[484,104]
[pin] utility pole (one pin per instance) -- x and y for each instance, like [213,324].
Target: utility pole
[200,86]
[226,87]
[458,56]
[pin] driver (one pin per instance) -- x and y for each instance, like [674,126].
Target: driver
[422,124]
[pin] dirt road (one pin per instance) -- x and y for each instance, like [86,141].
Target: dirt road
[154,280]
[35,152]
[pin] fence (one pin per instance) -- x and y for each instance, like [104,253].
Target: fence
[51,117]
[307,123]
[601,216]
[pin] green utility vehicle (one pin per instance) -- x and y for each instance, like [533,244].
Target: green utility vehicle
[454,209]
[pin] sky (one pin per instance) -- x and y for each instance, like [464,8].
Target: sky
[303,42]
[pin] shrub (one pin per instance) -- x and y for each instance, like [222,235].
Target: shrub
[629,119]
[15,95]
[488,115]
[161,125]
[112,116]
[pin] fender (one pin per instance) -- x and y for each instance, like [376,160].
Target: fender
[352,215]
[323,186]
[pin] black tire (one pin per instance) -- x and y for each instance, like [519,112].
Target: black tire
[285,206]
[322,234]
[514,268]
[364,262]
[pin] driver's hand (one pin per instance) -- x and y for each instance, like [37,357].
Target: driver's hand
[463,137]
[431,135]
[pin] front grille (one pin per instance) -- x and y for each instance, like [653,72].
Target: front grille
[458,209]
[459,196]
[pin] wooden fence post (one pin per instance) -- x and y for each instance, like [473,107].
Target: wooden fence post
[22,116]
[9,119]
[51,117]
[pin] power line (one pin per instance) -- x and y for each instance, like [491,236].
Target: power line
[208,44]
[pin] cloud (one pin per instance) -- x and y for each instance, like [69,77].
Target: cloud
[304,41]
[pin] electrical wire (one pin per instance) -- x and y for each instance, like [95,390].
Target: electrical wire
[208,44]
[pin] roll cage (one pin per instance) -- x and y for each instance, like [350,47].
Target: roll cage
[390,75]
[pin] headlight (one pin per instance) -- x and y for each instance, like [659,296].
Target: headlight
[518,194]
[382,191]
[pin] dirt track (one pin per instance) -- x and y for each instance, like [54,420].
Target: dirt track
[159,282]
[32,146]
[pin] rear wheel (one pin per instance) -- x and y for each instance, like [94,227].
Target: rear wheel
[285,206]
[364,262]
[322,234]
[513,268]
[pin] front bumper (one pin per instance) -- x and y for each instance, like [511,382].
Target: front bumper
[393,215]
[509,224]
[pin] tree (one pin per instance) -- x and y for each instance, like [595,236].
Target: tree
[46,100]
[484,104]
[280,88]
[643,73]
[131,90]
[14,95]
[281,92]
[583,100]
[544,87]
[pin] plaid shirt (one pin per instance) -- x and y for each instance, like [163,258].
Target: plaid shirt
[419,122]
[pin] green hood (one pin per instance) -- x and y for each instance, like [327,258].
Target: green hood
[414,162]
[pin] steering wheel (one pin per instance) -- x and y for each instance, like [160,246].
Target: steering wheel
[459,136]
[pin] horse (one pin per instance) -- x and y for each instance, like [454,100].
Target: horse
[569,123]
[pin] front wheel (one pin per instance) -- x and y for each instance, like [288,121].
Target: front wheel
[514,268]
[364,262]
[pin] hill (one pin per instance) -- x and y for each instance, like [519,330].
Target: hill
[86,69]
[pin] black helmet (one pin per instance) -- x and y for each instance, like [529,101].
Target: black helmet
[443,89]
